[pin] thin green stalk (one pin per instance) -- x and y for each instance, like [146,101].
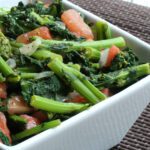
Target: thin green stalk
[102,30]
[26,69]
[108,32]
[4,68]
[81,88]
[44,54]
[85,88]
[92,54]
[14,79]
[18,119]
[56,106]
[123,77]
[25,75]
[95,65]
[75,66]
[101,44]
[36,75]
[2,79]
[35,130]
[88,84]
[15,44]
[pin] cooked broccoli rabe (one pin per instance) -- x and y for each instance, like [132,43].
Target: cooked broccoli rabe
[5,48]
[126,58]
[17,119]
[35,130]
[52,87]
[58,46]
[24,18]
[77,80]
[102,30]
[56,74]
[53,106]
[121,78]
[56,27]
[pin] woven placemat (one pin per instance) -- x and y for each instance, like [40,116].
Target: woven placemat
[138,137]
[136,20]
[130,17]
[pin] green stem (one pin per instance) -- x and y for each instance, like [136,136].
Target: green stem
[26,69]
[15,44]
[36,75]
[102,30]
[101,44]
[44,54]
[108,33]
[2,79]
[119,42]
[4,68]
[75,66]
[13,79]
[123,77]
[99,30]
[35,130]
[89,85]
[56,106]
[92,54]
[18,119]
[81,88]
[77,81]
[95,65]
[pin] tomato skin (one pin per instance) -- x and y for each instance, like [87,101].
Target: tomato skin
[76,24]
[42,32]
[107,92]
[31,121]
[77,99]
[3,126]
[3,92]
[41,116]
[17,105]
[113,51]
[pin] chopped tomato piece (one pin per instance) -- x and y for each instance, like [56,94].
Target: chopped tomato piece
[77,99]
[106,91]
[17,105]
[76,24]
[3,126]
[113,51]
[3,92]
[41,116]
[31,121]
[42,32]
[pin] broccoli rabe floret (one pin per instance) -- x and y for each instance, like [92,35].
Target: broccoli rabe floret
[52,87]
[5,48]
[121,78]
[126,58]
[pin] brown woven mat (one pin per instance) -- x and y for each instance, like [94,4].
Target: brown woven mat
[136,20]
[130,17]
[138,137]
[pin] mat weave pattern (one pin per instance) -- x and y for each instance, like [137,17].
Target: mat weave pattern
[138,137]
[130,17]
[136,20]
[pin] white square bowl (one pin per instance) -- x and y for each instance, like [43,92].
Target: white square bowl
[105,124]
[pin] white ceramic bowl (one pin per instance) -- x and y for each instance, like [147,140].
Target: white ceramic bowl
[104,125]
